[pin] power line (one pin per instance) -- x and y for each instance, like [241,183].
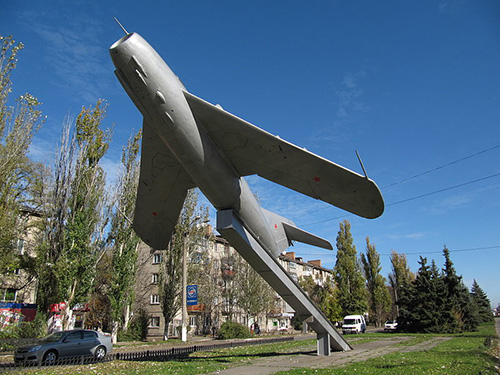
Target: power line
[442,190]
[452,251]
[441,166]
[411,178]
[412,198]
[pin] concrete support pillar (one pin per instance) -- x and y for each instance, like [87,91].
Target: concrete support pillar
[323,344]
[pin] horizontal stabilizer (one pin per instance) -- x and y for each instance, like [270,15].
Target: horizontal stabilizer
[296,234]
[285,232]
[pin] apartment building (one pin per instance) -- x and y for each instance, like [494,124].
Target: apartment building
[217,261]
[18,288]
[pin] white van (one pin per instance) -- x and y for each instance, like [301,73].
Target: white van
[354,324]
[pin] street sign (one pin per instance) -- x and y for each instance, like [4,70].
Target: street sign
[192,295]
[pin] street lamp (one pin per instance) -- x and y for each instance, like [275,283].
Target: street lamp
[184,280]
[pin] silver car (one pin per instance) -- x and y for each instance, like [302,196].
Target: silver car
[78,342]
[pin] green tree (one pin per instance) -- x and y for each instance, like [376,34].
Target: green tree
[482,303]
[19,176]
[76,213]
[122,238]
[324,296]
[420,301]
[379,300]
[187,233]
[461,314]
[253,294]
[205,273]
[399,278]
[99,315]
[351,294]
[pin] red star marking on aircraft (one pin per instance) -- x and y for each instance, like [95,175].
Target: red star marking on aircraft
[316,179]
[155,213]
[275,226]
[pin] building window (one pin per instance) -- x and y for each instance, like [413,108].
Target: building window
[157,258]
[20,246]
[155,299]
[8,294]
[154,322]
[155,278]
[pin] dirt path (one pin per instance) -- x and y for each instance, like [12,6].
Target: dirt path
[307,358]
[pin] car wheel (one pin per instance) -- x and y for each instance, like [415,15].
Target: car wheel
[50,356]
[100,352]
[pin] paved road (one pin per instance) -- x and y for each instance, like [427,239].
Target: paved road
[306,357]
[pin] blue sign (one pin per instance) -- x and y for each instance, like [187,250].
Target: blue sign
[192,295]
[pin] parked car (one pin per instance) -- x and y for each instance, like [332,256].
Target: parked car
[391,325]
[354,324]
[61,344]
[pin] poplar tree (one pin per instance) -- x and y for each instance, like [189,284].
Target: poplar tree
[76,213]
[18,174]
[378,294]
[123,239]
[187,233]
[351,293]
[399,278]
[324,296]
[253,294]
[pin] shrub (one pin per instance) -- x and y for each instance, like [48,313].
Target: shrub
[233,330]
[138,328]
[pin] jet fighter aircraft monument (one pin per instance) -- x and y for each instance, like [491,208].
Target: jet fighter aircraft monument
[188,142]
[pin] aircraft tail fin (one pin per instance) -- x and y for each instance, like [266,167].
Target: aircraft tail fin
[285,232]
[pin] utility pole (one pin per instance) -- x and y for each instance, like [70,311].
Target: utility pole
[184,280]
[184,289]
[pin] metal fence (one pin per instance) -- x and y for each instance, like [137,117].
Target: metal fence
[145,355]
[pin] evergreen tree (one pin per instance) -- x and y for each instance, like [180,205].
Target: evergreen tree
[350,292]
[419,302]
[462,315]
[378,294]
[482,303]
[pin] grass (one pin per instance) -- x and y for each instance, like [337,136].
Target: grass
[196,363]
[466,354]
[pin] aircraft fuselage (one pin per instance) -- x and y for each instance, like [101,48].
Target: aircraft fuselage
[158,93]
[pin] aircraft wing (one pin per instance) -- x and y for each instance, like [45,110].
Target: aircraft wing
[162,189]
[252,150]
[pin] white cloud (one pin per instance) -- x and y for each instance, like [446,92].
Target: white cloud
[348,99]
[408,236]
[73,52]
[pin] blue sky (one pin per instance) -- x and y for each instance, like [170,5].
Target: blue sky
[413,86]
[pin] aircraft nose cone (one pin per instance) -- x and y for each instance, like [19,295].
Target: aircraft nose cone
[120,41]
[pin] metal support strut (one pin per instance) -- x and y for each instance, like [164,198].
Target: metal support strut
[230,227]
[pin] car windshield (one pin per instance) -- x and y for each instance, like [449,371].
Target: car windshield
[56,336]
[349,321]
